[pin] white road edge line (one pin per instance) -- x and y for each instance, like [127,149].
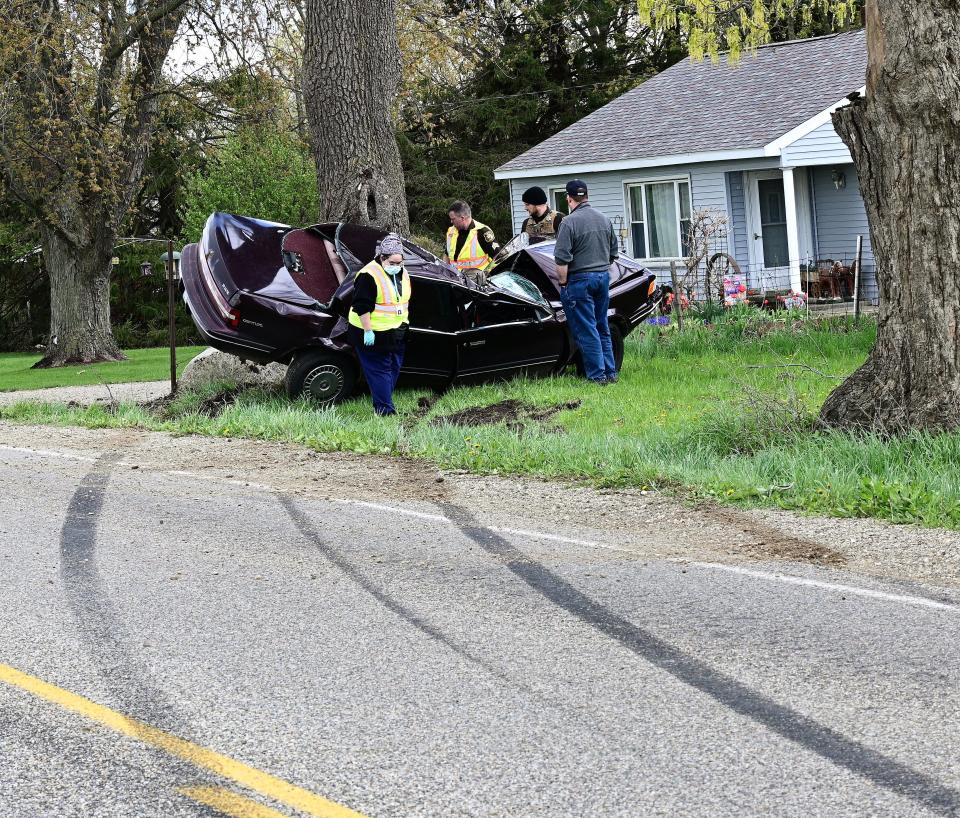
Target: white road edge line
[788,579]
[49,453]
[830,586]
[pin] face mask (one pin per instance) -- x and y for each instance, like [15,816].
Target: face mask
[393,269]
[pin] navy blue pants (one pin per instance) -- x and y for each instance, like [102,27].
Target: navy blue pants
[381,368]
[585,300]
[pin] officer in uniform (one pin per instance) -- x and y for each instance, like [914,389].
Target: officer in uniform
[379,318]
[542,222]
[471,245]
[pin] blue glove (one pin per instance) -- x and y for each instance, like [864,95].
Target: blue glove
[368,337]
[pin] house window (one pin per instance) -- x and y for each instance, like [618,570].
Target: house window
[659,219]
[558,199]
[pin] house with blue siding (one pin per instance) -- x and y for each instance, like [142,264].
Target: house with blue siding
[750,142]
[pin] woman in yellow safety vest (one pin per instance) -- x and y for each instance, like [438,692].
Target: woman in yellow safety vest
[379,318]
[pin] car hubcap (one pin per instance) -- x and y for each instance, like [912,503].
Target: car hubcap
[324,382]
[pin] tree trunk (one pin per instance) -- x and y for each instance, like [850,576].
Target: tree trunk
[351,74]
[79,303]
[905,139]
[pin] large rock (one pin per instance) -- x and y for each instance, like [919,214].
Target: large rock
[213,365]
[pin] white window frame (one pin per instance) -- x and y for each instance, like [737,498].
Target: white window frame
[628,184]
[551,191]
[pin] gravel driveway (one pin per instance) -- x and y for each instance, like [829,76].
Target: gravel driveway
[139,392]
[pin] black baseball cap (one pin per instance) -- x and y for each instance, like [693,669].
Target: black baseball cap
[576,187]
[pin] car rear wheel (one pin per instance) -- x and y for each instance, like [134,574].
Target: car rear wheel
[324,377]
[616,338]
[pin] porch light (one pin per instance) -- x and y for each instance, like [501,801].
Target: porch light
[839,179]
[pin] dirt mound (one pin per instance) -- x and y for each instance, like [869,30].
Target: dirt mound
[772,543]
[211,406]
[215,404]
[512,412]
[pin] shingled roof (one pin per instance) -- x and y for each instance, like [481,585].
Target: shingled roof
[703,108]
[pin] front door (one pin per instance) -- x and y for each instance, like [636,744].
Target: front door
[767,231]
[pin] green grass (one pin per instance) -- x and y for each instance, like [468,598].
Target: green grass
[143,365]
[726,412]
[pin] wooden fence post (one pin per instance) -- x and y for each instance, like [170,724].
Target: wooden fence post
[172,318]
[676,295]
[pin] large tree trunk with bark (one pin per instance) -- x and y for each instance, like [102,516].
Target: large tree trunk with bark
[351,73]
[905,140]
[79,303]
[74,144]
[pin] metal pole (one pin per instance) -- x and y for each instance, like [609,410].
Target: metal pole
[172,318]
[676,295]
[856,280]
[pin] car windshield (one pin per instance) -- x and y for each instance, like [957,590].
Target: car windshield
[517,285]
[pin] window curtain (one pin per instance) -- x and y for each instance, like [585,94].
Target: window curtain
[662,221]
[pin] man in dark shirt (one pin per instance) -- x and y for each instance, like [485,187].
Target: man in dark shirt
[541,222]
[586,247]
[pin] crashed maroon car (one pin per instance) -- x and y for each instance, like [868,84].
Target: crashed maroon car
[269,292]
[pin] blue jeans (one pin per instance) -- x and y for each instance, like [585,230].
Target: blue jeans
[381,368]
[585,300]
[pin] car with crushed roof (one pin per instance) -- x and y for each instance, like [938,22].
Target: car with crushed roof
[266,292]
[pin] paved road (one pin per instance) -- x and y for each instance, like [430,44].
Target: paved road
[171,646]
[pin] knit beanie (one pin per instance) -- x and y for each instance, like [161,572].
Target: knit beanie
[535,196]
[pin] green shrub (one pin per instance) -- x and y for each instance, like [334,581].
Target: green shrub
[258,172]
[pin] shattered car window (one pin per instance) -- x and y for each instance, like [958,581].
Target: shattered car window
[517,285]
[518,242]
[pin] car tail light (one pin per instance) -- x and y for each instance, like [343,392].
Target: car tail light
[652,287]
[229,315]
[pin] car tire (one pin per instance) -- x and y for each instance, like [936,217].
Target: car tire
[324,377]
[616,338]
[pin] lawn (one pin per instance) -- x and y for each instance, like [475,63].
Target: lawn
[143,365]
[726,412]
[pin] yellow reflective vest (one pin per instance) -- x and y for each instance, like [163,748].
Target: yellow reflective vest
[472,256]
[392,308]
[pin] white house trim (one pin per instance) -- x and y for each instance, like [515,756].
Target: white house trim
[793,235]
[630,164]
[776,147]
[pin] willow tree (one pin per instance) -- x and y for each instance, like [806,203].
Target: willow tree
[351,74]
[77,109]
[904,137]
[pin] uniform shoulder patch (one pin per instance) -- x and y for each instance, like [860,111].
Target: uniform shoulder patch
[488,234]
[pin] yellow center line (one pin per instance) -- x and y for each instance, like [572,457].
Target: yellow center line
[229,803]
[243,774]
